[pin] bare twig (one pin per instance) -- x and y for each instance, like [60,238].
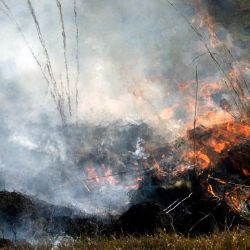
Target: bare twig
[171,205]
[203,218]
[195,114]
[56,95]
[201,38]
[77,60]
[229,182]
[40,36]
[178,204]
[59,6]
[53,91]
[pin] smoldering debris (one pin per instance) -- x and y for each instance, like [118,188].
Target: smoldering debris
[168,191]
[201,213]
[93,168]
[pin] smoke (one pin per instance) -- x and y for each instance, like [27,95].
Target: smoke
[123,61]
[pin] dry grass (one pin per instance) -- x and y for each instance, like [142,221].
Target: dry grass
[225,240]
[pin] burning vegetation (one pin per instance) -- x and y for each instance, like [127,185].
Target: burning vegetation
[196,183]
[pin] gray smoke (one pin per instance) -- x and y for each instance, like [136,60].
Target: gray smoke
[132,55]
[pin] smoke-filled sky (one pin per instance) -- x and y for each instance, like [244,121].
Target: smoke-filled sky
[132,54]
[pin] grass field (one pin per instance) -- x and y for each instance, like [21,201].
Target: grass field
[225,240]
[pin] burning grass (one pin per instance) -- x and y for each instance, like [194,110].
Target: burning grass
[211,163]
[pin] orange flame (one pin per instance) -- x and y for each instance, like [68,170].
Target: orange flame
[92,175]
[211,191]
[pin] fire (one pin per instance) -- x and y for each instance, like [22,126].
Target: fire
[206,21]
[235,203]
[92,175]
[110,178]
[234,73]
[211,29]
[238,129]
[180,169]
[210,145]
[98,176]
[168,112]
[216,129]
[210,118]
[210,88]
[233,199]
[159,171]
[139,179]
[107,175]
[217,146]
[204,159]
[201,159]
[185,86]
[218,180]
[246,171]
[211,191]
